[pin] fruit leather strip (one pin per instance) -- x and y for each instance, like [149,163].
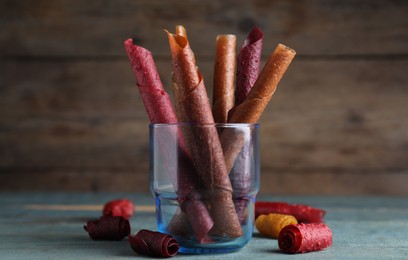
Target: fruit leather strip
[240,174]
[120,207]
[302,238]
[155,99]
[202,136]
[254,104]
[108,228]
[160,110]
[152,243]
[249,59]
[180,30]
[176,92]
[270,225]
[224,70]
[257,99]
[241,179]
[303,213]
[209,161]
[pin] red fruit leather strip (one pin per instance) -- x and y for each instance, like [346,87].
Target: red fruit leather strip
[160,110]
[108,228]
[302,213]
[121,207]
[302,238]
[202,137]
[156,101]
[248,61]
[152,243]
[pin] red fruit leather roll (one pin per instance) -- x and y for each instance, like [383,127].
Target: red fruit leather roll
[302,238]
[303,213]
[108,228]
[202,137]
[160,110]
[152,243]
[119,208]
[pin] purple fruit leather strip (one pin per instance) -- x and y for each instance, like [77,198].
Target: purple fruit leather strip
[248,62]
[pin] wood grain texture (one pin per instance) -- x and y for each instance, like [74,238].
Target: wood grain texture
[71,117]
[351,117]
[363,228]
[320,27]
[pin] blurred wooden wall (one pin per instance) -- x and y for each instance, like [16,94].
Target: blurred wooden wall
[71,117]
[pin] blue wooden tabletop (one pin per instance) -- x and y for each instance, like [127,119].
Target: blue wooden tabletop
[50,226]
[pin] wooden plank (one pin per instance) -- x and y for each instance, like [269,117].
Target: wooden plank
[66,28]
[325,114]
[51,234]
[279,182]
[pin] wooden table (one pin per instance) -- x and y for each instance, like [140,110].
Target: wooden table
[50,226]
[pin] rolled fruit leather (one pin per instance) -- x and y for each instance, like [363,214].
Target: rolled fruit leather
[160,110]
[249,58]
[255,102]
[224,75]
[302,238]
[202,138]
[257,99]
[303,213]
[248,63]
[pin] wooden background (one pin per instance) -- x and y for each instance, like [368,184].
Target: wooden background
[71,116]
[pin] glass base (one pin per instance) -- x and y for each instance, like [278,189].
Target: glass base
[165,210]
[213,248]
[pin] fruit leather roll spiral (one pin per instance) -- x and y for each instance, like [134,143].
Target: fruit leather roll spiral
[202,137]
[160,110]
[302,238]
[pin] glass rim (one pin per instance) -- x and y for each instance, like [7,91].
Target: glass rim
[226,125]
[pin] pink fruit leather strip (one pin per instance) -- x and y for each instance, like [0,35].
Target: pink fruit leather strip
[303,213]
[248,61]
[108,228]
[302,238]
[152,243]
[120,207]
[160,110]
[155,99]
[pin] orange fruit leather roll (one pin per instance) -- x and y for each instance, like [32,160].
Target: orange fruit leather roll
[251,109]
[270,225]
[180,30]
[224,75]
[202,138]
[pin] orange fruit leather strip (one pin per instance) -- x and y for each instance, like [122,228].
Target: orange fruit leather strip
[202,138]
[224,75]
[255,103]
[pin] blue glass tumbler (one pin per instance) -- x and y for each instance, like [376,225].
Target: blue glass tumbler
[205,179]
